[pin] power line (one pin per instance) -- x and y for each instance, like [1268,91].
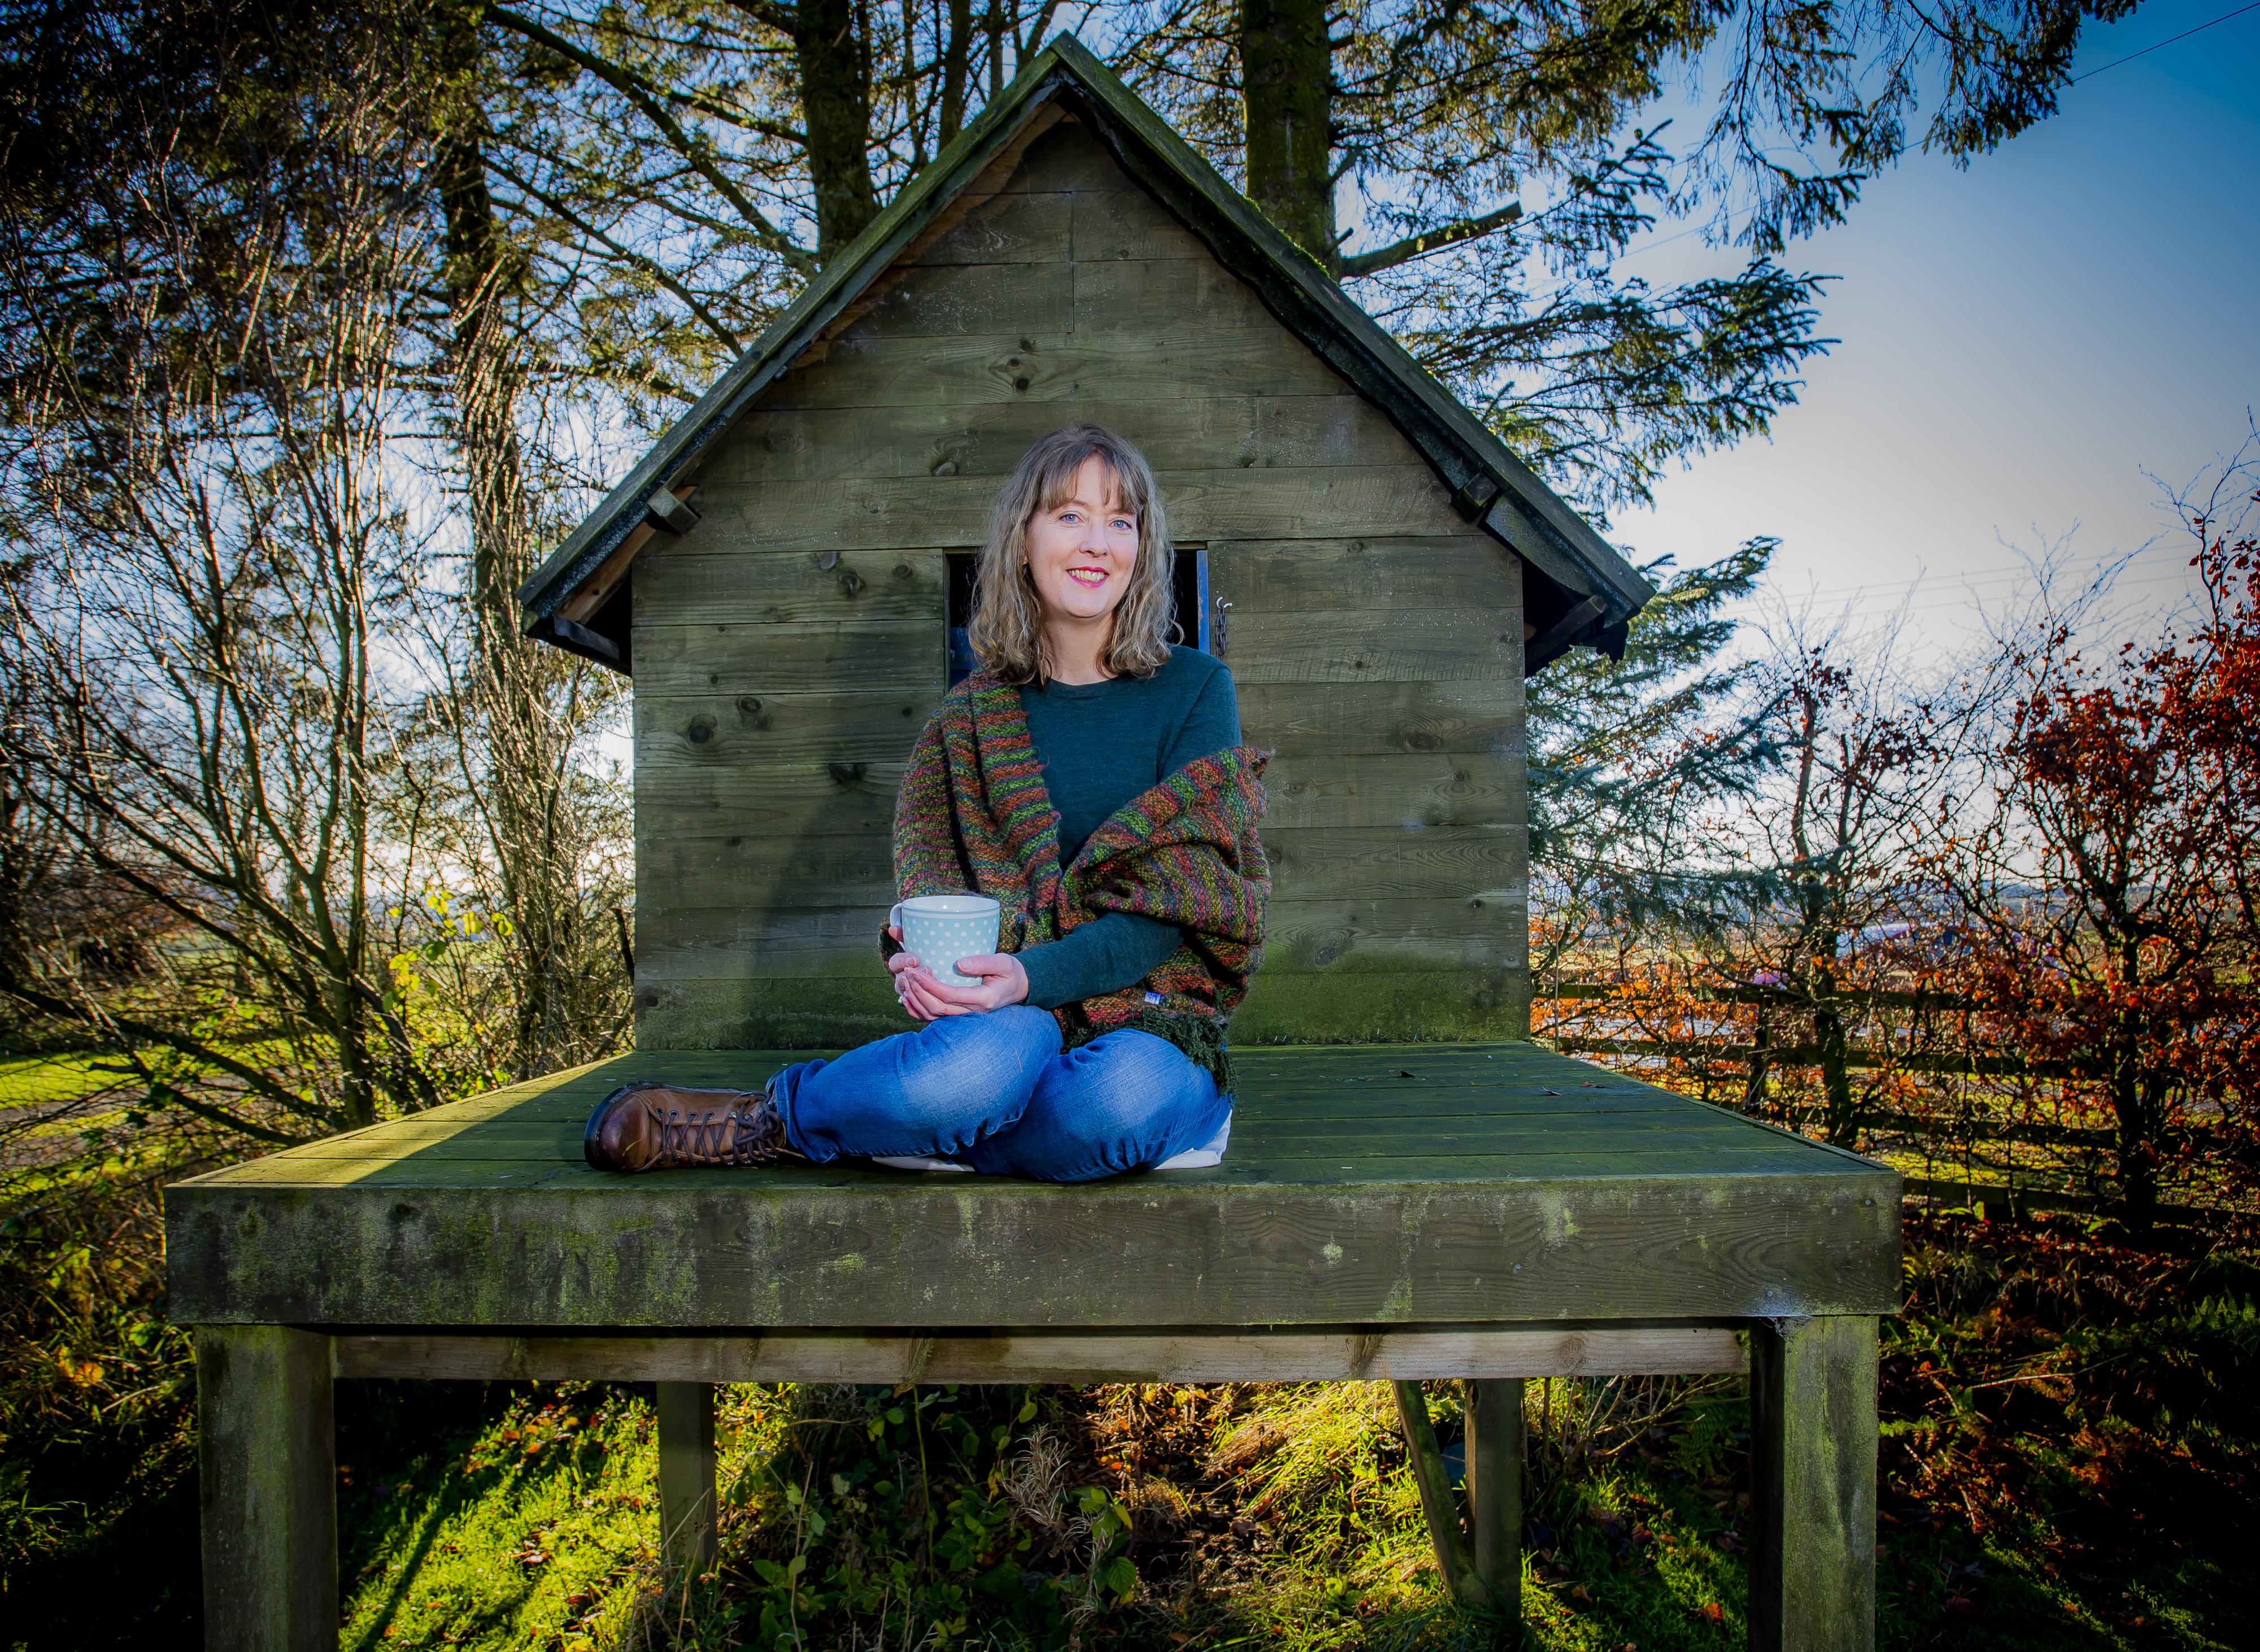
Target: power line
[1941,602]
[1932,579]
[1684,234]
[1930,590]
[2183,35]
[2140,566]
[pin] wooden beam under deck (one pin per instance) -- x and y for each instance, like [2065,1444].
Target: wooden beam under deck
[1344,1353]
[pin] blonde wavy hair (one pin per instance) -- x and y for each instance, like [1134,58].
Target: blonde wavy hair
[1007,625]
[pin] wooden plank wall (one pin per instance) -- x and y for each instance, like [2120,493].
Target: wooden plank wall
[1375,640]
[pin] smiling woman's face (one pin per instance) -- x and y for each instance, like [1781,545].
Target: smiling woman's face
[1081,551]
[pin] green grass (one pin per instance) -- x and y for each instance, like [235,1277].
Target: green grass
[2070,1460]
[2067,1466]
[536,1527]
[1275,1517]
[28,1081]
[64,1105]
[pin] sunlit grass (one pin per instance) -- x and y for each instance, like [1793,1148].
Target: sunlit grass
[1350,1566]
[540,1530]
[41,1081]
[1273,1517]
[2086,1408]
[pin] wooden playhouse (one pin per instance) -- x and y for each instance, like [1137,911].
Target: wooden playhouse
[783,573]
[1381,575]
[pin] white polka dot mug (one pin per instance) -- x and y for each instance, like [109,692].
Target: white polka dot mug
[941,929]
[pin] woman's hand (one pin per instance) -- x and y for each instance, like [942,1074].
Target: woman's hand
[1003,981]
[928,998]
[911,976]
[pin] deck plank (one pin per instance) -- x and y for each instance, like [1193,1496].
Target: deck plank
[1398,1133]
[1347,1164]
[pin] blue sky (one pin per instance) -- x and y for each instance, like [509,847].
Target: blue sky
[2021,342]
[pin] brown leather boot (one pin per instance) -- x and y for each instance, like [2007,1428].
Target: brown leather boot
[653,1126]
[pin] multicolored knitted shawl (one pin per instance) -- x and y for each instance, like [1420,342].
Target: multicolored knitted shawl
[973,814]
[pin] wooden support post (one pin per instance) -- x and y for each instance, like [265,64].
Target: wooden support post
[686,1473]
[1494,1412]
[268,1487]
[1436,1500]
[1812,1475]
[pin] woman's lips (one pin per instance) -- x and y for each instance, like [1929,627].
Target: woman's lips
[1091,576]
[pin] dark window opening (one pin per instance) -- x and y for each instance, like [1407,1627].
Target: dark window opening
[1189,585]
[1188,590]
[961,612]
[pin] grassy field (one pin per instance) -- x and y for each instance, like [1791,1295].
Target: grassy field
[32,1080]
[529,1528]
[50,1106]
[2070,1449]
[2068,1463]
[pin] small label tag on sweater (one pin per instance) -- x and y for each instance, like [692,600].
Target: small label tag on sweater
[1153,998]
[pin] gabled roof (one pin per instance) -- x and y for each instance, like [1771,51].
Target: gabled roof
[1601,590]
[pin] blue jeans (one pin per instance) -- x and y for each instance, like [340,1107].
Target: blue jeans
[996,1091]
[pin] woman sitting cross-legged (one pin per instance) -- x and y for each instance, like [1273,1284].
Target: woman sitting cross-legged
[1090,780]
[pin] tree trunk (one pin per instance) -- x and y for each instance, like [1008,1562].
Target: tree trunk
[832,51]
[481,270]
[1840,1112]
[1286,74]
[956,57]
[1757,1099]
[506,680]
[2138,1120]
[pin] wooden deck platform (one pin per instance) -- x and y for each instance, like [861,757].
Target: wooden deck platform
[1482,1211]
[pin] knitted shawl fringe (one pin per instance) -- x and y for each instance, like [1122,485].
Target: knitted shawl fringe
[973,814]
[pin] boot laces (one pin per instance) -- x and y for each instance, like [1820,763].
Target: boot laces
[732,1134]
